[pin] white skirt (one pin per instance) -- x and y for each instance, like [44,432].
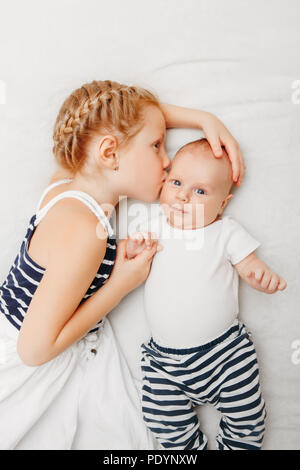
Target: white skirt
[78,400]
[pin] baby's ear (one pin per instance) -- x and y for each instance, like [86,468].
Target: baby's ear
[225,202]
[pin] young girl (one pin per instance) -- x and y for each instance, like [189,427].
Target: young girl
[58,355]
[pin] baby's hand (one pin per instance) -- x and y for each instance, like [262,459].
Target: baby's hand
[259,276]
[139,241]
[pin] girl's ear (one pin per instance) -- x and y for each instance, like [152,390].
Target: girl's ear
[106,154]
[224,203]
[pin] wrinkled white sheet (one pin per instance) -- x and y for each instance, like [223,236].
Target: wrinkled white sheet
[238,59]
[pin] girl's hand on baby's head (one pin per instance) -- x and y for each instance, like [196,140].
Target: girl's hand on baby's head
[218,135]
[140,241]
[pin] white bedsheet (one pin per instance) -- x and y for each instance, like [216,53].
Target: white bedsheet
[238,59]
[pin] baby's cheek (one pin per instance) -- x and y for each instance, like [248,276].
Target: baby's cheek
[211,210]
[198,211]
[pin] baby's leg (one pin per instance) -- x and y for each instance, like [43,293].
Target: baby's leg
[241,404]
[167,410]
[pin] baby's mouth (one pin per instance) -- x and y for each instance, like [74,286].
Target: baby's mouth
[179,209]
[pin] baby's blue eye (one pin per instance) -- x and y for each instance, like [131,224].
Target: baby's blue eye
[175,182]
[200,191]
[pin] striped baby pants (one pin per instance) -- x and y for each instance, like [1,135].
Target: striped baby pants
[223,372]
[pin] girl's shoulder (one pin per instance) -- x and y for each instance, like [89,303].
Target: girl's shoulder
[73,224]
[66,220]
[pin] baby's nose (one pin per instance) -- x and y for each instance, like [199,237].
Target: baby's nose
[183,196]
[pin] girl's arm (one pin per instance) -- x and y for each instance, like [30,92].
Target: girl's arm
[55,320]
[215,131]
[258,275]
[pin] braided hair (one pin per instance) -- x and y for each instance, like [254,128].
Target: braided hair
[104,106]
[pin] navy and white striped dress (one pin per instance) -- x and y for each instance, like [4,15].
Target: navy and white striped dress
[25,274]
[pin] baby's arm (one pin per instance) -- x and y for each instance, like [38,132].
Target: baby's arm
[259,276]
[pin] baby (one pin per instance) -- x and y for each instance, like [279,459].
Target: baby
[199,351]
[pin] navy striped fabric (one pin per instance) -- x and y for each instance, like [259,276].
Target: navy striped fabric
[25,275]
[223,373]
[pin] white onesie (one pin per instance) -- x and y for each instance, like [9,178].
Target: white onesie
[191,294]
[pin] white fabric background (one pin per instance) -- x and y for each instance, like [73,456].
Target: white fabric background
[238,59]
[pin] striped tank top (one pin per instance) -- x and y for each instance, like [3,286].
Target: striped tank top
[25,274]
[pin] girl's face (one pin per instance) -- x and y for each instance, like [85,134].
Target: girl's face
[144,161]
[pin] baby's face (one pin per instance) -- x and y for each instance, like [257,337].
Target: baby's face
[197,188]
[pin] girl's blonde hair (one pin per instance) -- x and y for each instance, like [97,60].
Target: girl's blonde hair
[97,106]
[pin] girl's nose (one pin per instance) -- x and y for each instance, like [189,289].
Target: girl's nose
[166,161]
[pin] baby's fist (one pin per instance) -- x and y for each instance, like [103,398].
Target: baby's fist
[265,279]
[139,241]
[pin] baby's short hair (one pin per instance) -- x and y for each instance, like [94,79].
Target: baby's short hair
[198,144]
